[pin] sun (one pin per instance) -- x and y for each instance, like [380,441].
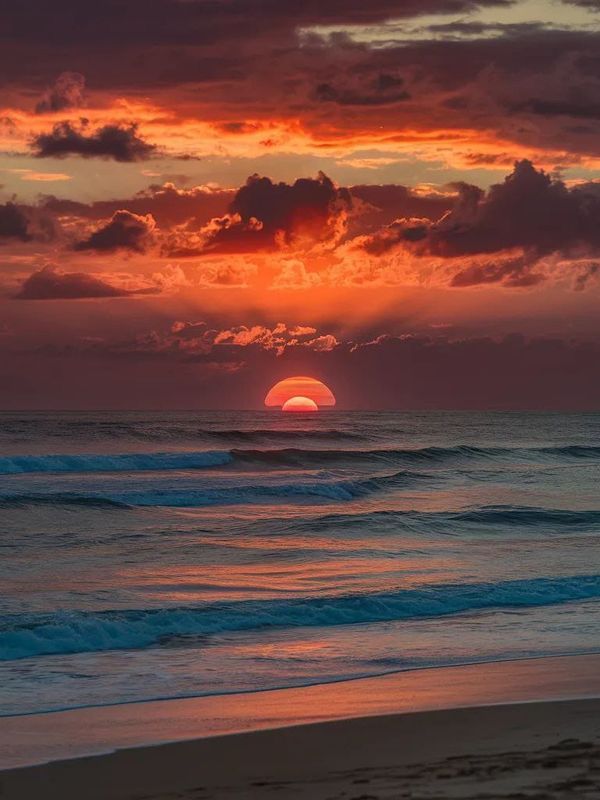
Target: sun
[299,403]
[291,393]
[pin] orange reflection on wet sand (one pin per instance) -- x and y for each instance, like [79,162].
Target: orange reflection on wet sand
[71,733]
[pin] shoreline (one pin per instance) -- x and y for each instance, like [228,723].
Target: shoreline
[299,686]
[32,741]
[548,748]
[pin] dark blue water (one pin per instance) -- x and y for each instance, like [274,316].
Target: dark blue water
[147,555]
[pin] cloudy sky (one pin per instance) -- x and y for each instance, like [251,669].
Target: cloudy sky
[200,197]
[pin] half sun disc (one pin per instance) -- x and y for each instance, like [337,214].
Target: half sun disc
[299,403]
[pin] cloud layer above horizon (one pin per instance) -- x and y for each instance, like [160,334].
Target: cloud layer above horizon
[408,192]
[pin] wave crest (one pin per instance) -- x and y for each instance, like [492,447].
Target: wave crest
[81,632]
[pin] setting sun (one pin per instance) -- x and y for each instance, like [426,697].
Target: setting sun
[300,403]
[300,388]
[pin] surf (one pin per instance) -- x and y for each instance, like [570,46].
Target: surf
[68,632]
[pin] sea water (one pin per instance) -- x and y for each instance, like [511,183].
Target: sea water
[157,555]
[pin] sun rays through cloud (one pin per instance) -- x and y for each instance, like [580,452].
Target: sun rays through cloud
[425,174]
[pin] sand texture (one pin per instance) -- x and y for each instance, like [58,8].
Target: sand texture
[543,751]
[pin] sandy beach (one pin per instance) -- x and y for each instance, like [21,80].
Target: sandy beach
[548,749]
[541,750]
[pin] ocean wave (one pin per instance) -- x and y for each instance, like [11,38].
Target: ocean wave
[520,517]
[111,430]
[162,461]
[119,462]
[524,516]
[59,499]
[428,455]
[279,434]
[80,632]
[301,457]
[279,458]
[332,490]
[573,451]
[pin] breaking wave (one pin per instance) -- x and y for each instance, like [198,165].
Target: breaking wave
[81,632]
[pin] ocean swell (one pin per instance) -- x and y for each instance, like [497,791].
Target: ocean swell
[23,636]
[333,490]
[118,462]
[279,434]
[477,517]
[274,458]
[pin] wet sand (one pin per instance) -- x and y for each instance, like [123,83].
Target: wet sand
[538,750]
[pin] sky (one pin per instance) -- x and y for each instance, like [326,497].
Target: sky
[199,198]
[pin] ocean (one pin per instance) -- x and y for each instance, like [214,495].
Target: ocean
[163,555]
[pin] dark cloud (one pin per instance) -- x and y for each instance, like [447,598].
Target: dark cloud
[529,211]
[512,272]
[264,215]
[380,90]
[27,223]
[373,206]
[451,87]
[562,108]
[174,23]
[168,204]
[14,223]
[238,127]
[67,92]
[52,284]
[307,203]
[403,230]
[377,206]
[502,234]
[125,231]
[120,142]
[328,84]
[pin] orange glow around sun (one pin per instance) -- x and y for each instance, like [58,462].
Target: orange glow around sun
[300,403]
[300,387]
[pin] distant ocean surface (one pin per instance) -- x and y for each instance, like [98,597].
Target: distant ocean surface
[158,555]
